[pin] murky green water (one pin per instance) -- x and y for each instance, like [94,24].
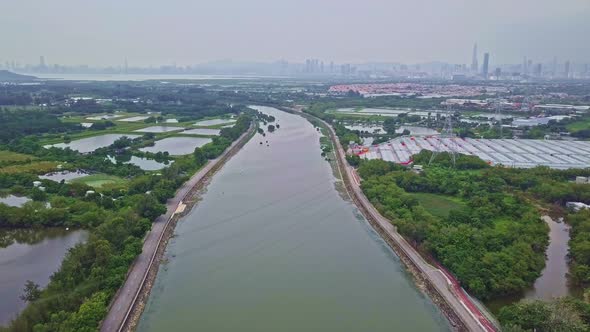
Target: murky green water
[30,254]
[273,246]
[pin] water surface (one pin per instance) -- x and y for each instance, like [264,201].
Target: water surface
[202,131]
[177,146]
[29,254]
[64,175]
[158,129]
[90,144]
[273,246]
[16,201]
[214,122]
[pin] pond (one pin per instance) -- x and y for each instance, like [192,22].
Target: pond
[30,254]
[12,200]
[202,131]
[134,119]
[214,122]
[159,129]
[86,145]
[103,117]
[64,175]
[417,131]
[368,128]
[143,163]
[177,146]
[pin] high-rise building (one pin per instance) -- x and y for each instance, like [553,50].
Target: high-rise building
[474,64]
[554,67]
[539,70]
[567,69]
[525,68]
[486,63]
[41,62]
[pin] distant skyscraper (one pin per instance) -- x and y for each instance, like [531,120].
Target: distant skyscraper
[474,64]
[567,69]
[525,68]
[554,69]
[42,62]
[486,63]
[539,70]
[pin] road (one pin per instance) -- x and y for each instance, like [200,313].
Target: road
[443,282]
[126,297]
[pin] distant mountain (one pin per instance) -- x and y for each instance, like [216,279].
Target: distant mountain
[6,75]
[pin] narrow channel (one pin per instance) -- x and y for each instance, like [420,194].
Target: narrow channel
[273,246]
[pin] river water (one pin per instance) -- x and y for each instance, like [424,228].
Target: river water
[273,246]
[29,254]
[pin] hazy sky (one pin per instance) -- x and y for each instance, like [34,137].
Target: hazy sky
[154,32]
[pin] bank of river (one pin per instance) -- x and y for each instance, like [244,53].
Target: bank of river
[273,246]
[553,282]
[29,254]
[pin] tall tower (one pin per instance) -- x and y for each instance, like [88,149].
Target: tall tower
[525,68]
[41,62]
[474,64]
[486,63]
[567,69]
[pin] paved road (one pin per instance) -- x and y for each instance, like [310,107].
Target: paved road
[445,284]
[127,294]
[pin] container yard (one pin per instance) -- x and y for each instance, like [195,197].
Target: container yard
[522,153]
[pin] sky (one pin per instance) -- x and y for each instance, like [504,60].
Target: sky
[186,32]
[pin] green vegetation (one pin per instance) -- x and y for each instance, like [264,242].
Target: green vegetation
[483,224]
[438,205]
[125,201]
[10,157]
[35,167]
[100,180]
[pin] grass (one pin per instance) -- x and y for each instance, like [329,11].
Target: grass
[438,205]
[9,156]
[579,125]
[36,167]
[101,180]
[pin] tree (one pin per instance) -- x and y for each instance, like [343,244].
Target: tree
[271,128]
[31,292]
[150,208]
[199,155]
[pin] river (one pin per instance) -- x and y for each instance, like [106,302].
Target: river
[29,254]
[273,246]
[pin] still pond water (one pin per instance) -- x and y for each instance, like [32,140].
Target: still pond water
[30,254]
[177,146]
[90,144]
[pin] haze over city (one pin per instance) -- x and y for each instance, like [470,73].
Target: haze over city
[295,165]
[102,33]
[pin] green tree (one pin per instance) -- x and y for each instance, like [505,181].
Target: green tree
[31,292]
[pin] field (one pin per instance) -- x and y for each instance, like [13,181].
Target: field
[438,205]
[579,125]
[8,156]
[36,167]
[100,180]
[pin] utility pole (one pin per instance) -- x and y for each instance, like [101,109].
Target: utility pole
[447,135]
